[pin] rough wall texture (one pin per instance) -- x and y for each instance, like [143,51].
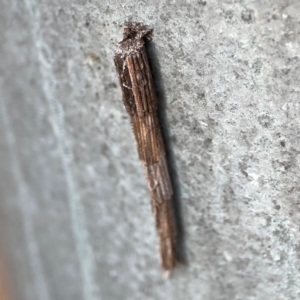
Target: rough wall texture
[75,211]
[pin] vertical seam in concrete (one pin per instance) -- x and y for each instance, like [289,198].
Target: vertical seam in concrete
[24,196]
[78,220]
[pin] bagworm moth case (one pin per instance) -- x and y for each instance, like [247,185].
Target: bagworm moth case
[140,101]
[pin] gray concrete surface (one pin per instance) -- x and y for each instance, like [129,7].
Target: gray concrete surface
[75,216]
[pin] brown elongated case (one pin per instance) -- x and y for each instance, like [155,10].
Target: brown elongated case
[140,100]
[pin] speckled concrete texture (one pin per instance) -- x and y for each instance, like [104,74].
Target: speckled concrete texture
[76,221]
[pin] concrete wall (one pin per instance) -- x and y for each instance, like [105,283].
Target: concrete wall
[75,212]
